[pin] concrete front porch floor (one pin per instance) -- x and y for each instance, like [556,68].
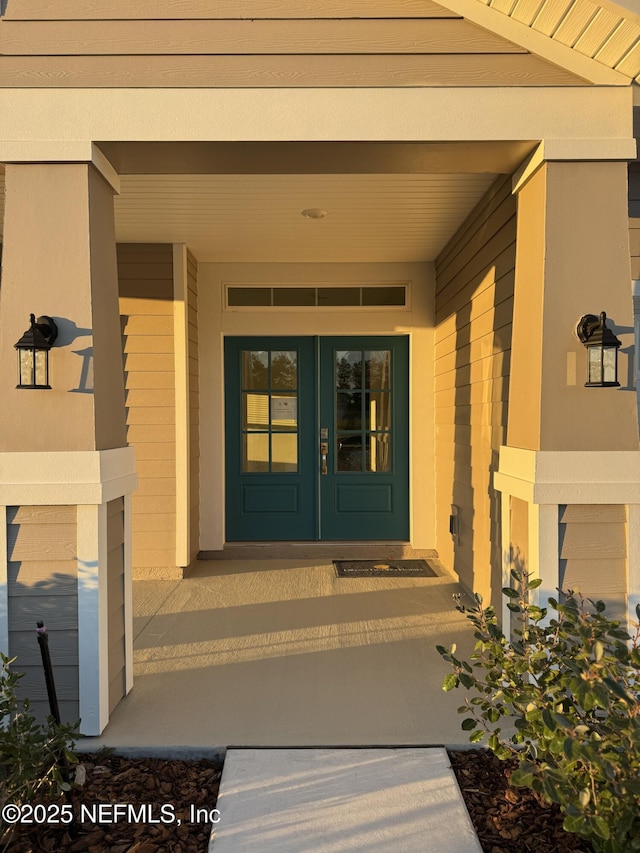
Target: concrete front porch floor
[283,653]
[341,801]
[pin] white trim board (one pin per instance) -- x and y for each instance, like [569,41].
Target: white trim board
[569,477]
[66,478]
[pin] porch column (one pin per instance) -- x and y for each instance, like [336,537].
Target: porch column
[65,468]
[570,472]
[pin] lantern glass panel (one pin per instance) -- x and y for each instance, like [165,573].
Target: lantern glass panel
[26,366]
[595,365]
[609,364]
[41,368]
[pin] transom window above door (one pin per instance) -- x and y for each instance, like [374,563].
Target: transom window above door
[370,296]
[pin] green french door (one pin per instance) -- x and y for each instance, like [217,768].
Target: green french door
[316,438]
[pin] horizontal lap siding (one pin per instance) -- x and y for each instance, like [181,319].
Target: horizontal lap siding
[593,554]
[43,585]
[257,43]
[145,273]
[474,309]
[194,413]
[634,219]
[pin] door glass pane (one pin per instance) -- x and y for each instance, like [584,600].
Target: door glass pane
[255,452]
[284,370]
[378,452]
[349,452]
[348,410]
[284,411]
[348,369]
[377,410]
[377,369]
[255,369]
[284,452]
[255,411]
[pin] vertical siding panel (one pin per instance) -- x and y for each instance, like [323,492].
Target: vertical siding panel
[194,419]
[115,549]
[474,299]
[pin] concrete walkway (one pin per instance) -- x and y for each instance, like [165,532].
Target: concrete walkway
[284,653]
[341,801]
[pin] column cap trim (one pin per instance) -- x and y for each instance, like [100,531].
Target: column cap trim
[66,478]
[574,150]
[559,476]
[60,152]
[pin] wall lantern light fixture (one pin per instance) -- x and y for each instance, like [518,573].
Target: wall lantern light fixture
[33,353]
[602,351]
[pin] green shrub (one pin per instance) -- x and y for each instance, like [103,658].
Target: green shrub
[32,756]
[568,690]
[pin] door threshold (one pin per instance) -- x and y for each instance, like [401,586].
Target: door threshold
[311,550]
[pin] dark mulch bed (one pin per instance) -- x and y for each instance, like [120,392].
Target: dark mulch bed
[152,781]
[507,820]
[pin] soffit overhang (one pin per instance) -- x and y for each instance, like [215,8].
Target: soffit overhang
[599,41]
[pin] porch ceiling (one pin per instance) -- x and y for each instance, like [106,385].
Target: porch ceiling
[384,203]
[374,218]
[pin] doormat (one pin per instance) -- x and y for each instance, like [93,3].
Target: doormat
[383,568]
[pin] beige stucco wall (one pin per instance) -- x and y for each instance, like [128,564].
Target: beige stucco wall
[59,260]
[573,259]
[417,322]
[474,307]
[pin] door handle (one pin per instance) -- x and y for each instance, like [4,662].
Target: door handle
[324,450]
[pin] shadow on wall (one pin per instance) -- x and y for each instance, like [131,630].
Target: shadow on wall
[476,274]
[54,601]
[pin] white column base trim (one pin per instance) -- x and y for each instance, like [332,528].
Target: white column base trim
[93,619]
[633,563]
[87,480]
[128,596]
[545,479]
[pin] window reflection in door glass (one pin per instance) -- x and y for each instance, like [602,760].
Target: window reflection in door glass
[348,410]
[255,411]
[377,410]
[377,369]
[378,452]
[284,411]
[349,452]
[284,370]
[284,452]
[348,369]
[255,452]
[255,369]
